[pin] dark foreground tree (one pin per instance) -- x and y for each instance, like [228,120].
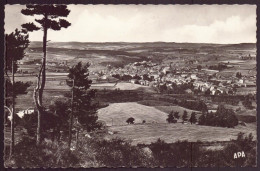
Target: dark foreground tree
[130,120]
[16,43]
[82,105]
[50,20]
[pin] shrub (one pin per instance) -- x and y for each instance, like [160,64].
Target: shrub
[118,153]
[242,143]
[171,118]
[130,120]
[176,115]
[171,155]
[48,154]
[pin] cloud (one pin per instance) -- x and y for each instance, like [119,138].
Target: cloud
[148,23]
[232,30]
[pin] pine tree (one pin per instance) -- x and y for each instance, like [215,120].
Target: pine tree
[176,115]
[202,119]
[171,118]
[50,20]
[16,43]
[193,118]
[184,116]
[83,107]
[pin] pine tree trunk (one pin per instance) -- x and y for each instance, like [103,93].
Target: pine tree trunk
[77,133]
[38,139]
[41,88]
[71,117]
[12,114]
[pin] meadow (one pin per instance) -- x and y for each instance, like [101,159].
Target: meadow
[147,133]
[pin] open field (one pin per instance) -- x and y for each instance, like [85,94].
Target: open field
[120,112]
[147,133]
[121,86]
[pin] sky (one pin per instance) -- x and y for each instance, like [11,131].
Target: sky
[223,24]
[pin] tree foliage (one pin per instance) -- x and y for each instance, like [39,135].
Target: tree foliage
[222,118]
[247,102]
[51,17]
[84,108]
[239,75]
[185,116]
[19,88]
[176,115]
[199,67]
[130,120]
[193,118]
[16,43]
[171,118]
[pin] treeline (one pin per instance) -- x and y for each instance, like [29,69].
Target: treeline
[218,67]
[193,105]
[222,117]
[179,154]
[127,77]
[174,116]
[117,153]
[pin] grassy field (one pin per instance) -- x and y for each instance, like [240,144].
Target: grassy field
[147,133]
[121,86]
[120,112]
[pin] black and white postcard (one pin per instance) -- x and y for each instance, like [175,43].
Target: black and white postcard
[130,86]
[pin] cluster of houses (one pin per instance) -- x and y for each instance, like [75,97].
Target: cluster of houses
[152,74]
[61,63]
[248,57]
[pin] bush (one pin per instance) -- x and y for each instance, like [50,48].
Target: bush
[119,153]
[49,122]
[171,155]
[242,143]
[176,115]
[130,120]
[247,118]
[48,154]
[171,118]
[192,154]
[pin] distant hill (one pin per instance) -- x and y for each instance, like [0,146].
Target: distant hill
[119,54]
[240,46]
[126,45]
